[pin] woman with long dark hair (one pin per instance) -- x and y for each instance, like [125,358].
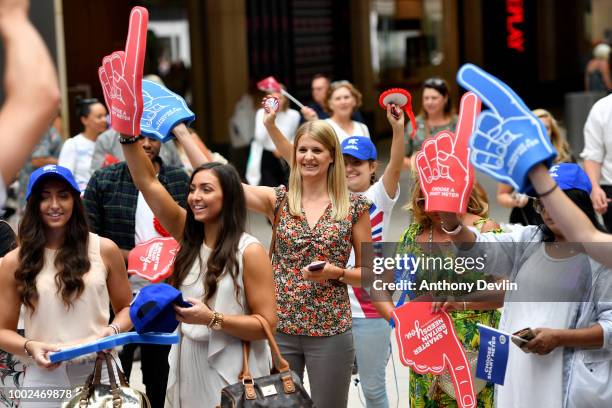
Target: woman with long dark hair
[222,271]
[563,295]
[65,277]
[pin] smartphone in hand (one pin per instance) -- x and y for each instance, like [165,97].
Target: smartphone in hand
[523,336]
[316,266]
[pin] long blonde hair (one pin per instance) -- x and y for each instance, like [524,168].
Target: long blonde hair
[337,188]
[556,138]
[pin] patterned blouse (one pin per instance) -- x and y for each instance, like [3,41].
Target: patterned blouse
[304,307]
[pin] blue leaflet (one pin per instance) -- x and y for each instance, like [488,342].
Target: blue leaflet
[163,110]
[492,355]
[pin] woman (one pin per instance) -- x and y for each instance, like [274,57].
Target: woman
[427,228]
[65,277]
[597,73]
[564,373]
[522,206]
[77,151]
[265,166]
[318,221]
[371,333]
[436,115]
[224,272]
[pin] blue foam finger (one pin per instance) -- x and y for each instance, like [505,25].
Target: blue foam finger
[110,342]
[162,111]
[509,139]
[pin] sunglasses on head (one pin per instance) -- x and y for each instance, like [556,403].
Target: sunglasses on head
[435,83]
[341,82]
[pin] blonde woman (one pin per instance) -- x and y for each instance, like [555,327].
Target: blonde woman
[522,206]
[318,220]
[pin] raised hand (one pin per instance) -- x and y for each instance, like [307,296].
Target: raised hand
[121,76]
[443,166]
[270,105]
[163,110]
[509,140]
[427,342]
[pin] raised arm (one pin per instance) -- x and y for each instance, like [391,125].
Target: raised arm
[194,152]
[283,145]
[506,198]
[393,171]
[171,215]
[117,285]
[574,224]
[30,85]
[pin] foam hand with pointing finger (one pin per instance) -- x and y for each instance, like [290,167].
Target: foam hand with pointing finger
[121,76]
[443,163]
[509,140]
[427,343]
[163,110]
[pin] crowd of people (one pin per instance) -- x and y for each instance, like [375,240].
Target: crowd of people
[314,175]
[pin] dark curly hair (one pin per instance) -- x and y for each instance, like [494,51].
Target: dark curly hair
[233,222]
[71,261]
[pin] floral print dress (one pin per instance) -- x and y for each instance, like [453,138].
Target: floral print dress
[420,386]
[304,307]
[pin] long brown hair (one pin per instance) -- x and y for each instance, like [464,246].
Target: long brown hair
[232,220]
[71,261]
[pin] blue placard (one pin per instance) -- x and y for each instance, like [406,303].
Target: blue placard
[509,140]
[110,342]
[162,111]
[492,355]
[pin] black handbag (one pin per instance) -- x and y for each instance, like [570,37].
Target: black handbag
[280,390]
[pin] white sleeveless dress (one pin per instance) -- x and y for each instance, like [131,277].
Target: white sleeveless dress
[205,361]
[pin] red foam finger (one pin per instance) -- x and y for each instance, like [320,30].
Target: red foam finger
[106,87]
[444,141]
[116,61]
[424,170]
[431,152]
[135,47]
[469,110]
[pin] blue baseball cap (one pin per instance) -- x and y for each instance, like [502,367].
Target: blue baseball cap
[569,176]
[360,147]
[151,309]
[48,171]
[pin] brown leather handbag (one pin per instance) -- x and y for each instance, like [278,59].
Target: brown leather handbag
[280,390]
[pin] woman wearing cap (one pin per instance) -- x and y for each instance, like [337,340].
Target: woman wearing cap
[65,277]
[563,295]
[78,151]
[221,270]
[436,115]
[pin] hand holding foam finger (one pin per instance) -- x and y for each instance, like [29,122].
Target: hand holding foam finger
[509,139]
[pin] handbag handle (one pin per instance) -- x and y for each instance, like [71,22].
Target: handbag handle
[275,225]
[280,364]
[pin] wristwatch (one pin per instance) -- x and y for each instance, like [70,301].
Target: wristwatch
[217,321]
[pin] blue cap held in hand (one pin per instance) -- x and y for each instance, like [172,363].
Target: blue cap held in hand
[49,171]
[360,147]
[152,311]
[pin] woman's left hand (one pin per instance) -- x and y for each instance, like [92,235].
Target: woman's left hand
[545,341]
[199,313]
[328,272]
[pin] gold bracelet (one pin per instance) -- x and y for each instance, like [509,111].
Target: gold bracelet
[25,348]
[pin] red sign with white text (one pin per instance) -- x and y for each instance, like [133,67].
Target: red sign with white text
[427,343]
[153,260]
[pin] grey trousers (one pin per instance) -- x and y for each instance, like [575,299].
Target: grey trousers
[328,361]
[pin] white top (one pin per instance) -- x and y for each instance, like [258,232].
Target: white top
[76,156]
[359,129]
[218,361]
[287,122]
[598,138]
[380,217]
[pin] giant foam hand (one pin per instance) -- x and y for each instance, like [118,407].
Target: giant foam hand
[427,342]
[443,163]
[509,139]
[121,76]
[163,110]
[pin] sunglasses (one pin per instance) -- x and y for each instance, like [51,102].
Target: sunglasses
[342,82]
